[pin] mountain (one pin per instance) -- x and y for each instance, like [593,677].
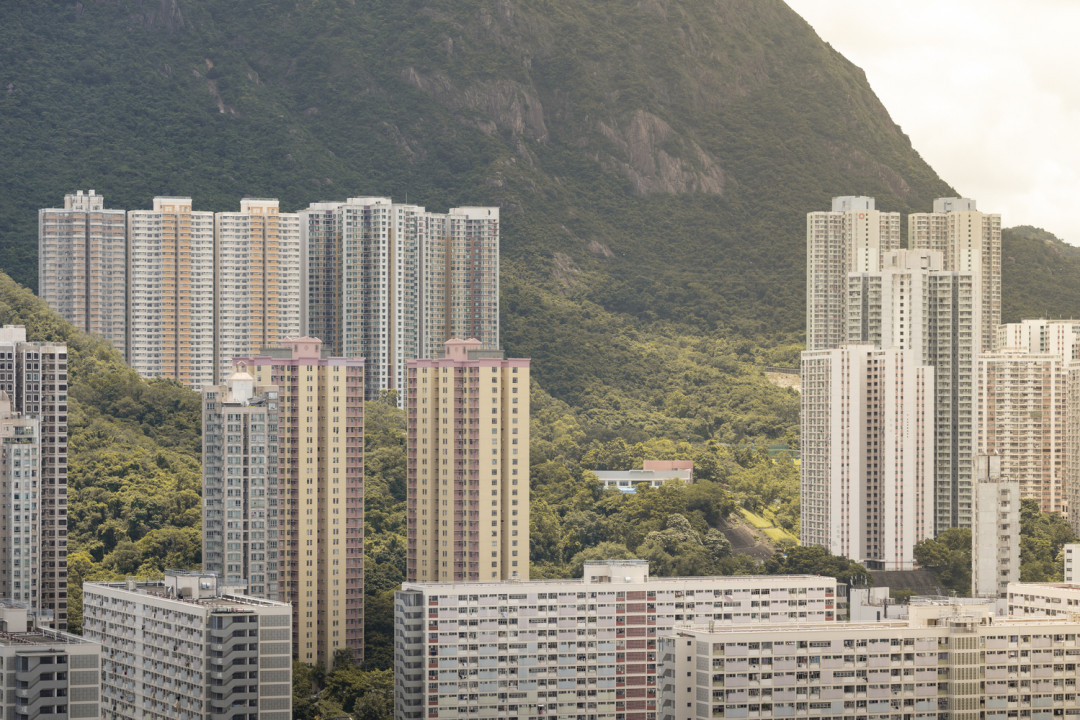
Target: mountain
[654,160]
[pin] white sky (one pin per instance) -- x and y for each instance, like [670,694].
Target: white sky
[987,90]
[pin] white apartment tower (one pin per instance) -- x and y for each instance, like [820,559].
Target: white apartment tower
[186,648]
[913,303]
[970,242]
[20,518]
[256,280]
[867,453]
[995,532]
[82,270]
[240,484]
[171,292]
[852,237]
[392,282]
[34,377]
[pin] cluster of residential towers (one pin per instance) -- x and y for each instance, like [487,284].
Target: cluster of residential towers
[909,376]
[182,292]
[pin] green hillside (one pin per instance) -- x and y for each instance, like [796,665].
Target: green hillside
[1040,275]
[654,161]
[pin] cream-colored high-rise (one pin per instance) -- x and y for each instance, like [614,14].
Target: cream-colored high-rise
[82,271]
[321,494]
[257,280]
[468,466]
[969,241]
[171,292]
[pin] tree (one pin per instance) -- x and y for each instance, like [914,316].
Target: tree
[949,557]
[813,560]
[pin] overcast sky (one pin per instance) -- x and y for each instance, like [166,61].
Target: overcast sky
[987,90]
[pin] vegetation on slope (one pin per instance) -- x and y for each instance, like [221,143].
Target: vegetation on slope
[1042,537]
[653,160]
[1040,275]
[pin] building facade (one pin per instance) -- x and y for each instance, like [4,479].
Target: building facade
[852,237]
[995,532]
[468,466]
[570,648]
[241,500]
[34,377]
[913,303]
[970,242]
[391,282]
[948,661]
[867,460]
[47,673]
[320,479]
[20,518]
[170,310]
[82,269]
[185,649]
[1022,407]
[256,280]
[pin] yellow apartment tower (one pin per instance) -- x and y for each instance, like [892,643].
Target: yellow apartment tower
[257,280]
[320,525]
[468,466]
[171,292]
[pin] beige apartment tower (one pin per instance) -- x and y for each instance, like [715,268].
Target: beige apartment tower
[1022,403]
[171,292]
[256,280]
[970,242]
[320,477]
[468,466]
[82,271]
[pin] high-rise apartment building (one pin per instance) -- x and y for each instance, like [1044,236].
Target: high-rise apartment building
[867,453]
[970,242]
[390,282]
[256,280]
[185,648]
[171,292]
[320,477]
[584,648]
[240,484]
[34,377]
[913,303]
[468,466]
[1039,335]
[1022,405]
[852,237]
[20,518]
[995,531]
[82,268]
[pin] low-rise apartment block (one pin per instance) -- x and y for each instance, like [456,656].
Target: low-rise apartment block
[947,661]
[582,648]
[183,649]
